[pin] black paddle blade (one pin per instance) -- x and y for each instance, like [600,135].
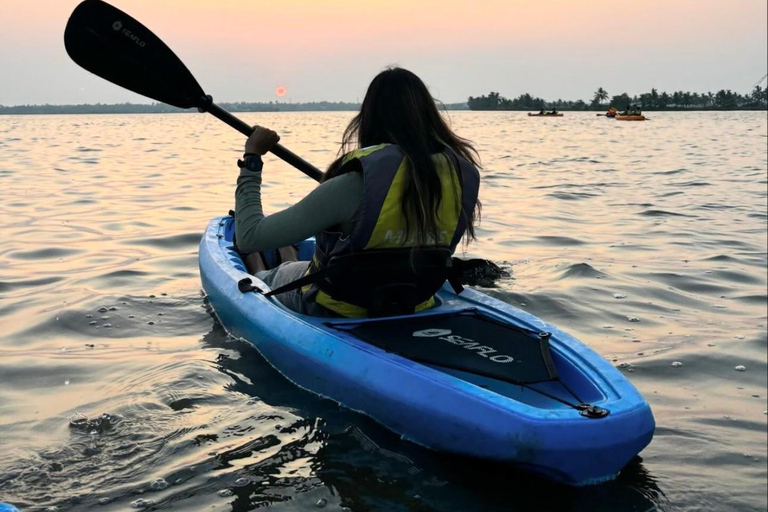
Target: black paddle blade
[109,43]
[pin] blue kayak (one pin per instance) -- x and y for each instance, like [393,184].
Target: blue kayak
[472,376]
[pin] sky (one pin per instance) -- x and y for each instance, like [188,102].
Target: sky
[243,50]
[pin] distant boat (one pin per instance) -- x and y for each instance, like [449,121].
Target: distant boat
[544,115]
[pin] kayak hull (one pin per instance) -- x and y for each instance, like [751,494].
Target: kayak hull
[631,118]
[544,115]
[442,410]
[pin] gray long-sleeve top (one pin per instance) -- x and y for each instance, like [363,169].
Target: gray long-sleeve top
[332,203]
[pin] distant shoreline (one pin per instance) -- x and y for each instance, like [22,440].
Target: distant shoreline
[138,108]
[160,108]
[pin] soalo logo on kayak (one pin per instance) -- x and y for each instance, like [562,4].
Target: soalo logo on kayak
[465,343]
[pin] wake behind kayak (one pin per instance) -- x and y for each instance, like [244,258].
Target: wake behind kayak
[472,376]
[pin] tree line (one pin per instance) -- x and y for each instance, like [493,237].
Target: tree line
[724,99]
[162,108]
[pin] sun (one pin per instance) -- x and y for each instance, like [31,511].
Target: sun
[281,91]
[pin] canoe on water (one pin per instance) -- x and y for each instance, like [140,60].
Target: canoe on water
[472,376]
[544,115]
[631,118]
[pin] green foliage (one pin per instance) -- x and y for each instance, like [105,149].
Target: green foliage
[161,108]
[653,100]
[600,96]
[496,102]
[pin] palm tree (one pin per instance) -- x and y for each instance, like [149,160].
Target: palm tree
[600,96]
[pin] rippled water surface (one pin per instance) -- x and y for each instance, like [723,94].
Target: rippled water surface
[645,240]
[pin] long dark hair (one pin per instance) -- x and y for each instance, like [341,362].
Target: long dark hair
[398,109]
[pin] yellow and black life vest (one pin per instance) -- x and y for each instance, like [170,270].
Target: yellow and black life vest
[380,223]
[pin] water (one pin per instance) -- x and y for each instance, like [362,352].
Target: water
[645,240]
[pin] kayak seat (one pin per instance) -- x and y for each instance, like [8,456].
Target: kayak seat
[385,282]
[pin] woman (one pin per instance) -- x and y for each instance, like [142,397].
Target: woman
[412,184]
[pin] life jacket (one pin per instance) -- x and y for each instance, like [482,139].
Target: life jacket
[379,223]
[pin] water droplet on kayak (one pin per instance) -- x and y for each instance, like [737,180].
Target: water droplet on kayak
[619,296]
[741,368]
[92,322]
[677,364]
[66,382]
[739,337]
[240,482]
[113,308]
[150,323]
[102,309]
[633,319]
[104,501]
[225,493]
[107,326]
[321,503]
[142,503]
[88,316]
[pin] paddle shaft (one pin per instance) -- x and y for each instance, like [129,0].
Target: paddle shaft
[278,150]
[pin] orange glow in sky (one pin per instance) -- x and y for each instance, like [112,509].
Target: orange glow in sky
[238,49]
[281,91]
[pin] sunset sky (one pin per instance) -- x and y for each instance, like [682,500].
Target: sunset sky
[242,50]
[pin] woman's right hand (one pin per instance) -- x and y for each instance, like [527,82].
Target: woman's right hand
[261,140]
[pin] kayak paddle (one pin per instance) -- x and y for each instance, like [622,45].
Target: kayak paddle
[112,45]
[109,43]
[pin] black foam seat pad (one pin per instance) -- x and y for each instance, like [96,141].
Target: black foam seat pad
[466,341]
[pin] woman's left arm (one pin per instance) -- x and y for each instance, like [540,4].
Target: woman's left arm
[331,203]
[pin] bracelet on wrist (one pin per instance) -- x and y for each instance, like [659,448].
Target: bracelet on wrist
[245,163]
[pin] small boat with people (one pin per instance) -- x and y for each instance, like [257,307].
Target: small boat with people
[631,113]
[542,113]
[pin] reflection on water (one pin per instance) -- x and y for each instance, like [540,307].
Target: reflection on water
[646,240]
